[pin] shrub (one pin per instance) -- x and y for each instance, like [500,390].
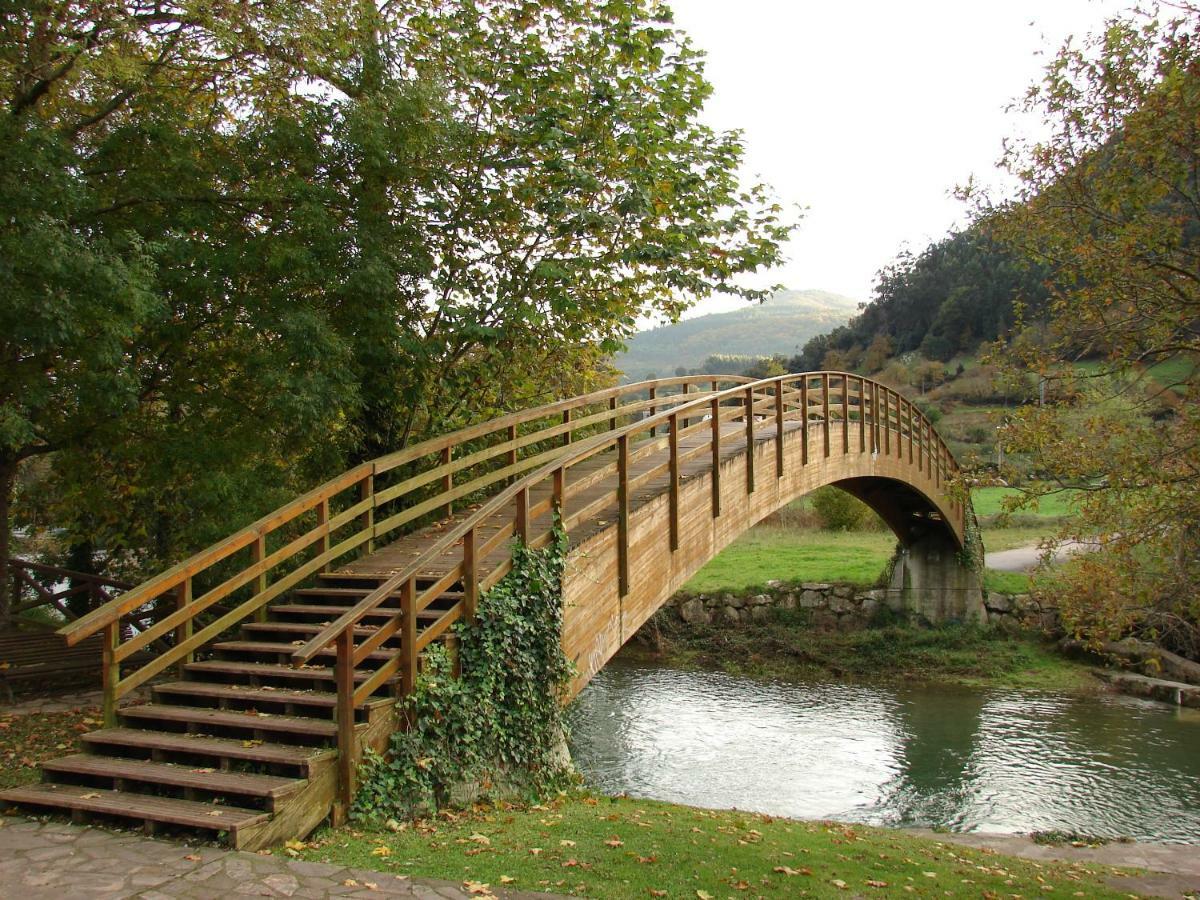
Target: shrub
[840,511]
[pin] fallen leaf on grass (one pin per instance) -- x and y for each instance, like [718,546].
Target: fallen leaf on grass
[566,843]
[534,851]
[788,870]
[654,893]
[873,883]
[507,879]
[704,895]
[839,884]
[614,842]
[480,839]
[478,887]
[570,864]
[382,850]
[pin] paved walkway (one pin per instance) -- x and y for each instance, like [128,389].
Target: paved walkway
[1172,870]
[57,861]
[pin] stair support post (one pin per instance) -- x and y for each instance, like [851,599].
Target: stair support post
[566,419]
[347,755]
[845,415]
[408,637]
[470,577]
[258,552]
[110,672]
[447,479]
[366,491]
[183,631]
[522,516]
[323,521]
[653,406]
[804,420]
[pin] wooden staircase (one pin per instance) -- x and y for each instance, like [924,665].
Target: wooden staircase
[242,745]
[292,639]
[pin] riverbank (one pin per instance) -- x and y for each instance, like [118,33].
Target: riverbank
[783,644]
[617,847]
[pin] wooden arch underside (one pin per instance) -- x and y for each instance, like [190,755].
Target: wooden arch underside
[598,619]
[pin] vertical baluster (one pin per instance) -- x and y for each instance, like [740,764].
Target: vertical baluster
[862,415]
[653,405]
[749,404]
[258,552]
[612,422]
[715,440]
[512,453]
[323,523]
[623,514]
[346,763]
[845,414]
[804,420]
[673,456]
[366,491]
[183,631]
[408,636]
[110,671]
[566,438]
[560,491]
[887,422]
[825,410]
[522,516]
[447,479]
[779,422]
[470,576]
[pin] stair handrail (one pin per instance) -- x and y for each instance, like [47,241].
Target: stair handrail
[588,448]
[155,586]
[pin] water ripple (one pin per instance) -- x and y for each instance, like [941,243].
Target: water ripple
[958,758]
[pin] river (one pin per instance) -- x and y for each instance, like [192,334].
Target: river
[907,754]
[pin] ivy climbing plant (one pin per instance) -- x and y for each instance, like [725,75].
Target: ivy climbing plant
[500,723]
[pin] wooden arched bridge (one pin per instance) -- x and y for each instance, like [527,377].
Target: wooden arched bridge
[276,656]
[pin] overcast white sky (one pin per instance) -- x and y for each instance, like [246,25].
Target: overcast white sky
[870,113]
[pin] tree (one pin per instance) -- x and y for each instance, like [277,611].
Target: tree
[1108,204]
[252,242]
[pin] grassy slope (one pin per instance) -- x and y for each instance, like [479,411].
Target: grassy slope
[622,848]
[780,325]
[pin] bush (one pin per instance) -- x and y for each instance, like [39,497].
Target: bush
[840,511]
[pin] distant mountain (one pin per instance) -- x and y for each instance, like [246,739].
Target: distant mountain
[781,324]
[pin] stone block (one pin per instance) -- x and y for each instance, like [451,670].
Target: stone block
[694,612]
[812,600]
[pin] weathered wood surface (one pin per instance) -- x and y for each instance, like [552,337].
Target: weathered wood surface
[320,611]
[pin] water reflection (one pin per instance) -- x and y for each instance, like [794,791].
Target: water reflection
[906,755]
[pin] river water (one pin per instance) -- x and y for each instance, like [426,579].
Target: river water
[893,754]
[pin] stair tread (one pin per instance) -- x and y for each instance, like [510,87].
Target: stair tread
[233,748]
[354,592]
[260,695]
[242,667]
[306,628]
[280,647]
[208,779]
[191,813]
[382,612]
[231,719]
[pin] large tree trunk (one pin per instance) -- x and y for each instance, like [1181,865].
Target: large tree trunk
[8,474]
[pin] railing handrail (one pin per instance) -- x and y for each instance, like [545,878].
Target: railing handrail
[111,612]
[578,453]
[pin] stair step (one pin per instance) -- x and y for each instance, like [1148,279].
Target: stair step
[202,745]
[248,784]
[189,813]
[178,691]
[332,612]
[274,647]
[220,718]
[268,670]
[359,593]
[300,630]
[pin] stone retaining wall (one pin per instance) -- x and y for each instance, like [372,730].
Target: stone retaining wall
[836,606]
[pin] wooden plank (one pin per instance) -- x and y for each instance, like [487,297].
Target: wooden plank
[248,784]
[408,638]
[110,672]
[845,415]
[470,576]
[673,490]
[715,440]
[623,514]
[347,762]
[218,718]
[749,405]
[438,628]
[825,411]
[804,407]
[183,631]
[779,423]
[267,753]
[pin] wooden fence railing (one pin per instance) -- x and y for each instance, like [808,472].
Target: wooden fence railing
[205,595]
[29,592]
[831,401]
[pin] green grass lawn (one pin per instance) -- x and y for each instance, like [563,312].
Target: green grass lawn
[988,503]
[774,553]
[622,848]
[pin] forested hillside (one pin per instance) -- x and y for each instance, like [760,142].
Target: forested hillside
[944,302]
[780,325]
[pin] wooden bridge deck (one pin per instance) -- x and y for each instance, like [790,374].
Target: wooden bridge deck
[302,619]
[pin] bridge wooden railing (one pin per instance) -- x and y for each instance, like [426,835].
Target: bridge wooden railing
[55,589]
[829,400]
[195,601]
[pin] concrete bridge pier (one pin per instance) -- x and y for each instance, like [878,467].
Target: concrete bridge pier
[935,582]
